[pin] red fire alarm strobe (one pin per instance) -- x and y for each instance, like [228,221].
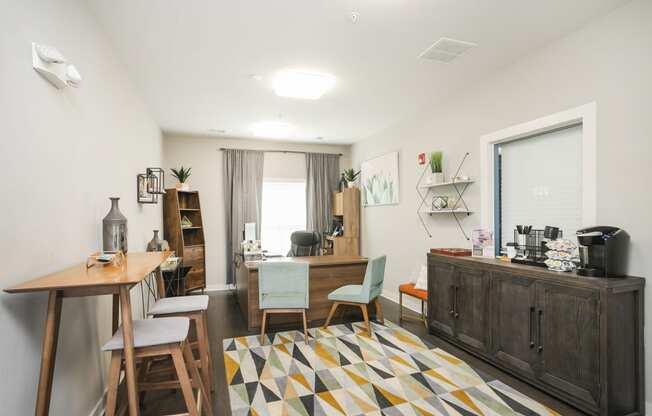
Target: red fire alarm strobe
[422,158]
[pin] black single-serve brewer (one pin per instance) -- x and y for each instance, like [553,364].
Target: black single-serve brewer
[603,251]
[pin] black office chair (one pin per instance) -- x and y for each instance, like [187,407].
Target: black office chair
[304,243]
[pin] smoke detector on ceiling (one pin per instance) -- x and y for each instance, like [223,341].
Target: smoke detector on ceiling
[446,49]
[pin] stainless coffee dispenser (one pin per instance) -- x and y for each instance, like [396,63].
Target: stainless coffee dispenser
[603,251]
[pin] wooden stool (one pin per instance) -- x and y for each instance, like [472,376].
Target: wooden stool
[159,338]
[194,308]
[410,290]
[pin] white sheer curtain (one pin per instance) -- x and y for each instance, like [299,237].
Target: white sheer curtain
[284,211]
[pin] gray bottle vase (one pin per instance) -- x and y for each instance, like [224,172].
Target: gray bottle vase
[156,244]
[114,229]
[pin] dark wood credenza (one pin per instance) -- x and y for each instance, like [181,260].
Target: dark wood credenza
[577,338]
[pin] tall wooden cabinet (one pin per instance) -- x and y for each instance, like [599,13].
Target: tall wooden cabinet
[577,338]
[186,241]
[346,208]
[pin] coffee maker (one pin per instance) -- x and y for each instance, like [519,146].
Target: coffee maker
[603,251]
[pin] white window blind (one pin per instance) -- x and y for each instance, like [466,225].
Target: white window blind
[283,212]
[541,182]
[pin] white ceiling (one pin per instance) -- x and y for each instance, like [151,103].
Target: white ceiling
[192,60]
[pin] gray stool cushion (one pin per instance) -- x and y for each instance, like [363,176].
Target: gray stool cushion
[150,332]
[179,304]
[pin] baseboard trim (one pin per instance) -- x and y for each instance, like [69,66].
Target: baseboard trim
[219,288]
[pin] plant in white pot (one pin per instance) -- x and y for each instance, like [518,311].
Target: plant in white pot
[182,174]
[350,175]
[436,159]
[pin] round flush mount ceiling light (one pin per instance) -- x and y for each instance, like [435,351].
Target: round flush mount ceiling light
[271,129]
[302,84]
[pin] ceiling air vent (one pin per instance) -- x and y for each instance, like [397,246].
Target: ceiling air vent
[445,50]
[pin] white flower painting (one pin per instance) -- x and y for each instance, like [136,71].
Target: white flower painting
[379,180]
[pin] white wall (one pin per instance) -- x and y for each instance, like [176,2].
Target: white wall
[63,153]
[608,61]
[284,166]
[203,155]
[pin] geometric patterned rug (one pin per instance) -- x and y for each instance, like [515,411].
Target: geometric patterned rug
[340,370]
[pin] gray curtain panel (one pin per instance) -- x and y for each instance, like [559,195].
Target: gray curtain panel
[322,179]
[243,196]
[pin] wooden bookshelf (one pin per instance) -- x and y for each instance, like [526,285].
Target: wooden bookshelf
[187,242]
[346,207]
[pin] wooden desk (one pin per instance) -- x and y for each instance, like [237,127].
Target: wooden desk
[327,273]
[77,281]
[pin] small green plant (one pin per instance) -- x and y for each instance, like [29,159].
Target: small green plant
[436,161]
[350,175]
[181,174]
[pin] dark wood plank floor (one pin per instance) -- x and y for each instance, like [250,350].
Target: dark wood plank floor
[226,321]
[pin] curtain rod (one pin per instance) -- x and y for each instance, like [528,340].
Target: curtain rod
[280,151]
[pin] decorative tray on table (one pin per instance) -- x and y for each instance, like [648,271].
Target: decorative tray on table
[455,252]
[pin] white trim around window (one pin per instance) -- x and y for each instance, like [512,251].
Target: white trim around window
[586,115]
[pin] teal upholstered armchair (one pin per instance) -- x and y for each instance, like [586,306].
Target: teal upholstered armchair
[283,288]
[362,295]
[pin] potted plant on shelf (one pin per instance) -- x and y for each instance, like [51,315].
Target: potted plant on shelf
[182,174]
[350,175]
[436,159]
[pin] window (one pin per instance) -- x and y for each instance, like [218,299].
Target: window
[539,183]
[283,212]
[540,162]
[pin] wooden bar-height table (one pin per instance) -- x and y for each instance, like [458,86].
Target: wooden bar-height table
[77,281]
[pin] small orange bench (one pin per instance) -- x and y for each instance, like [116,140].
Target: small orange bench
[422,295]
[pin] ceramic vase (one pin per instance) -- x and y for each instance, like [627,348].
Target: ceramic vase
[438,177]
[114,229]
[183,186]
[156,244]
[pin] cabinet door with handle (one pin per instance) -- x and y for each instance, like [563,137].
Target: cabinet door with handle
[514,322]
[472,308]
[441,307]
[568,340]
